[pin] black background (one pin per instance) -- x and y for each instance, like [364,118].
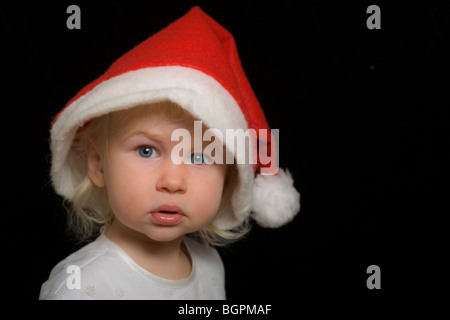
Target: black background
[364,129]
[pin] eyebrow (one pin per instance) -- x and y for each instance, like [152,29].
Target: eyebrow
[157,137]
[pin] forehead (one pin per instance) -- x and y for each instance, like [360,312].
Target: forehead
[162,117]
[161,113]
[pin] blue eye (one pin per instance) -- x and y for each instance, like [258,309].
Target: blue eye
[147,152]
[197,158]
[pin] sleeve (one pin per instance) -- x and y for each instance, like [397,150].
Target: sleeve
[78,277]
[85,283]
[64,283]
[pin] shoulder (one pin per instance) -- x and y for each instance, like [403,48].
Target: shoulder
[204,256]
[208,270]
[201,250]
[65,278]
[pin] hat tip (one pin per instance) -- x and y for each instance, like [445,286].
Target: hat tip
[275,199]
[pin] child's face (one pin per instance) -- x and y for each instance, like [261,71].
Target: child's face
[149,194]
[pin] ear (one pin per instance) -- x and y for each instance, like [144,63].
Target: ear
[94,166]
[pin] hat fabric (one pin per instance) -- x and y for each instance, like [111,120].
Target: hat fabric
[194,63]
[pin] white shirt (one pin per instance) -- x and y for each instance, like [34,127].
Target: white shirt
[107,272]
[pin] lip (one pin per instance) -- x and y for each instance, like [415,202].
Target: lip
[167,215]
[169,208]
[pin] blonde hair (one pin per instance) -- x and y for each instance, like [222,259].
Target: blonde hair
[89,209]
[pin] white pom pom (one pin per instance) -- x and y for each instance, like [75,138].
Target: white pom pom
[275,199]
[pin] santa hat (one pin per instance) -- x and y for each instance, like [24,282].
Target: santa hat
[194,63]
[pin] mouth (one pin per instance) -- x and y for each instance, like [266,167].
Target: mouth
[167,215]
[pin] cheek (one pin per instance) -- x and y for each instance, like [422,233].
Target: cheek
[209,193]
[125,188]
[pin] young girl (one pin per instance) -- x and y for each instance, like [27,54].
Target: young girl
[154,220]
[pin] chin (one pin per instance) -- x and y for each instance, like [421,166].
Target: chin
[165,234]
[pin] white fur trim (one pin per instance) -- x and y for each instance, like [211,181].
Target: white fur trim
[193,90]
[275,200]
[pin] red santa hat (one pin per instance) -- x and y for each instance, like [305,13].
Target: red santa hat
[194,63]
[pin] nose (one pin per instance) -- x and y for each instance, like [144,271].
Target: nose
[172,178]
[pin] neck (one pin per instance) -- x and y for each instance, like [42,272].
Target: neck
[166,259]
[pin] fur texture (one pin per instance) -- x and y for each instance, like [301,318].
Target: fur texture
[275,200]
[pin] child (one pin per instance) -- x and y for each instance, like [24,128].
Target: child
[156,221]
